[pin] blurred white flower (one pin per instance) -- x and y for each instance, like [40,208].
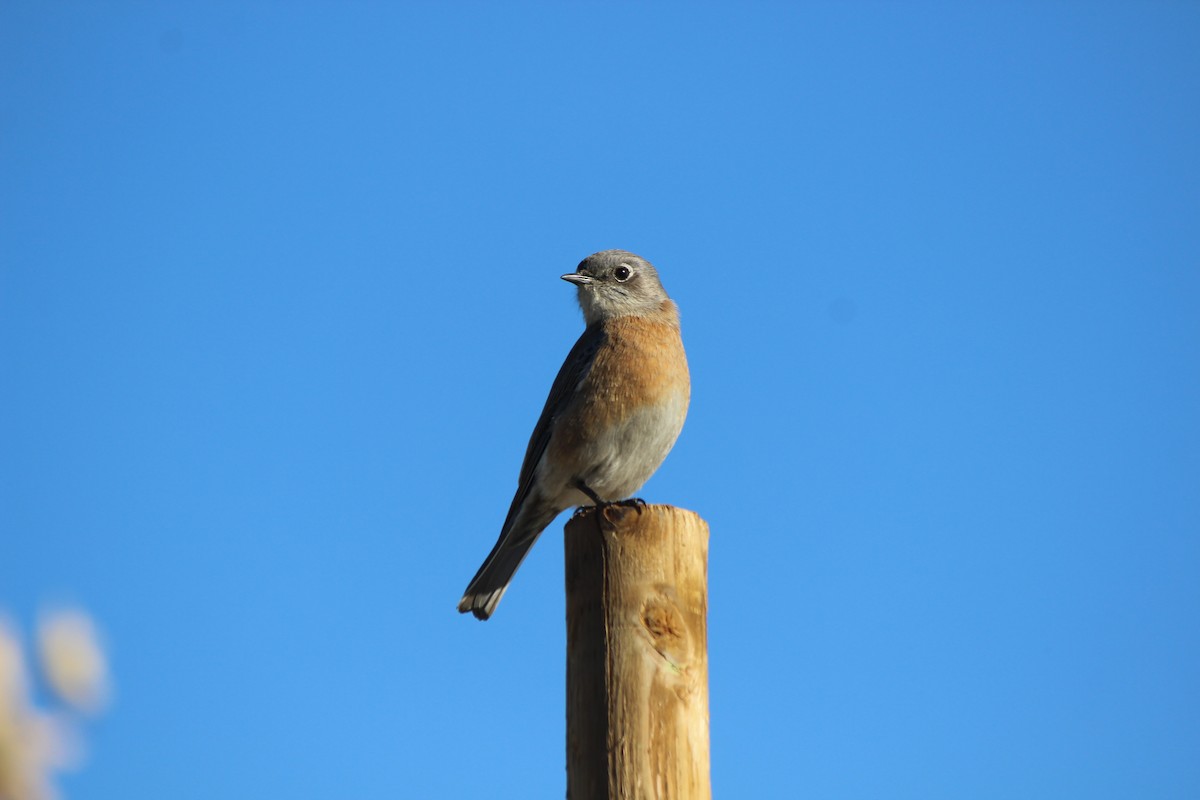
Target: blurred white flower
[73,660]
[24,741]
[34,743]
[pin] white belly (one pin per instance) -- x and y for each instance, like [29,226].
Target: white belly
[624,456]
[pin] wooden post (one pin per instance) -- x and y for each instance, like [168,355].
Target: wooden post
[637,654]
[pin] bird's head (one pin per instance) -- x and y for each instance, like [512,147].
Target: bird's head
[616,283]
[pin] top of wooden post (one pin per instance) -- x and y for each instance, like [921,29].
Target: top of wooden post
[637,661]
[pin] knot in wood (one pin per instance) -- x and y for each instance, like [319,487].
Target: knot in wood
[668,632]
[664,622]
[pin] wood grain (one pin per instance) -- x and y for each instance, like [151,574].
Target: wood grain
[637,660]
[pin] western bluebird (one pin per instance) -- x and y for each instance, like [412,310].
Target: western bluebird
[613,413]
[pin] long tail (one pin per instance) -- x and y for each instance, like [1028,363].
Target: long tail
[487,587]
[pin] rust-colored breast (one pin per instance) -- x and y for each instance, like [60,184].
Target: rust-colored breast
[642,363]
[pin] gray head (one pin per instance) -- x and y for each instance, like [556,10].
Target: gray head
[616,283]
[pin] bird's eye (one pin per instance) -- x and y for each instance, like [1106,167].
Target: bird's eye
[622,273]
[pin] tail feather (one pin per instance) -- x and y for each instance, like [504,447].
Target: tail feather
[487,587]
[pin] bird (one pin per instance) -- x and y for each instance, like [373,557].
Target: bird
[614,411]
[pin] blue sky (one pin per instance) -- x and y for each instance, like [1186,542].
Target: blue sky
[279,306]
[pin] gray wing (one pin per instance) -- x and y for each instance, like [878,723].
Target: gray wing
[488,586]
[570,375]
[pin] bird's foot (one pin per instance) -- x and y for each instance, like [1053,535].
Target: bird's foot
[616,510]
[603,506]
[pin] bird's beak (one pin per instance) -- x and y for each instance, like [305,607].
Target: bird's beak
[577,279]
